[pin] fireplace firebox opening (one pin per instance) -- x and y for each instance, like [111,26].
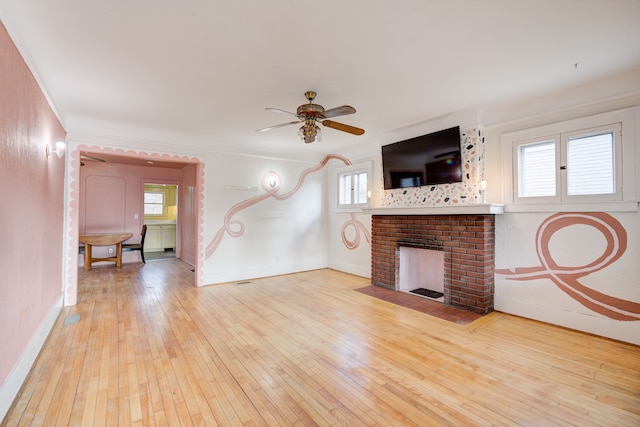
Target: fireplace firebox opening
[468,244]
[421,272]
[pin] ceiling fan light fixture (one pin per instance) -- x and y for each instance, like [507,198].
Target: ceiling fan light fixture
[309,132]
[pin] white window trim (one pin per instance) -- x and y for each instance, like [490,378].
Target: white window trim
[630,159]
[353,169]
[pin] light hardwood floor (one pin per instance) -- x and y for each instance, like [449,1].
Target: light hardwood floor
[151,349]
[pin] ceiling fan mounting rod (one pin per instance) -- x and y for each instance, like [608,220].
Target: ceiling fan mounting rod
[310,95]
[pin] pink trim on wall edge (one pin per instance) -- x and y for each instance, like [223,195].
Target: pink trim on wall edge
[73,204]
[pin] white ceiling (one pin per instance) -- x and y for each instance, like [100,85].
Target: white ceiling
[201,72]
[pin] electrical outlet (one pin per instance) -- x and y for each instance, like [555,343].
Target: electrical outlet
[110,251]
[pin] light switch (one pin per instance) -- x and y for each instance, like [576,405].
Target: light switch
[136,216]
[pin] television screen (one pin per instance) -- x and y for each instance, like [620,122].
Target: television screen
[424,160]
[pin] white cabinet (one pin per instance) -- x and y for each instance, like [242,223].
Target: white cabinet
[168,236]
[160,237]
[153,239]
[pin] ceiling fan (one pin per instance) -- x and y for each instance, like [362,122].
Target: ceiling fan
[311,114]
[87,157]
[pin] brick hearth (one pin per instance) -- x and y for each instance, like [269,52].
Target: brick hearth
[467,240]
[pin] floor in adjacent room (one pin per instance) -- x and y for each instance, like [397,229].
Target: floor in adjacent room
[166,254]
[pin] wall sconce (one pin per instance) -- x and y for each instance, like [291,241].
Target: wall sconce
[483,191]
[271,182]
[58,148]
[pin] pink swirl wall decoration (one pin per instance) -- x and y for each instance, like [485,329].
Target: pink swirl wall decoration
[270,183]
[358,229]
[567,278]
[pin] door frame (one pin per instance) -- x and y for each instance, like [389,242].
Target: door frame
[72,204]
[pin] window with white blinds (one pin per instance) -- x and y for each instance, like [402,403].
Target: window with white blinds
[537,165]
[591,164]
[572,167]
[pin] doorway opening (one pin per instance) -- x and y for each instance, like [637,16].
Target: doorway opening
[160,212]
[131,169]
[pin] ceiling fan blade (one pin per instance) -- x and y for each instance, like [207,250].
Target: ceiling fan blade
[341,126]
[339,111]
[278,110]
[94,159]
[278,126]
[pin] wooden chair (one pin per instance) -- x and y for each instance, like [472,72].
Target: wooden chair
[137,246]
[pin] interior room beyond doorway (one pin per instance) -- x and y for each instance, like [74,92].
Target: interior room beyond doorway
[161,218]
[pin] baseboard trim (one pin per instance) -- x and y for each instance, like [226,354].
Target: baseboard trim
[11,386]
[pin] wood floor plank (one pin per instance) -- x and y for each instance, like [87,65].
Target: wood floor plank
[308,349]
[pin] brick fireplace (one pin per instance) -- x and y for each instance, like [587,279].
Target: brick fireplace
[468,243]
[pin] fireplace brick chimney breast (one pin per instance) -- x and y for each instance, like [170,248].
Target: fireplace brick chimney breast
[467,240]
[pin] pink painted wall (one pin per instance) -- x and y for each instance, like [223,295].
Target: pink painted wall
[111,197]
[189,213]
[31,216]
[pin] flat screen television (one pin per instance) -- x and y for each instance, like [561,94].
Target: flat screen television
[434,158]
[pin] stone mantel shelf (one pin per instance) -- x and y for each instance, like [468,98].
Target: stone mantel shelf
[478,209]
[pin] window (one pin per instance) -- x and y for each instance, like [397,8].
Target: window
[353,186]
[591,166]
[568,166]
[573,163]
[154,203]
[536,166]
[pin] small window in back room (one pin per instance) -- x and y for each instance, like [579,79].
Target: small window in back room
[154,203]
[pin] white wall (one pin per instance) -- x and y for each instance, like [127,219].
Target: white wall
[348,232]
[577,245]
[281,230]
[573,246]
[247,229]
[296,227]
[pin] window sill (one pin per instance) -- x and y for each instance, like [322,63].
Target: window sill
[575,207]
[350,210]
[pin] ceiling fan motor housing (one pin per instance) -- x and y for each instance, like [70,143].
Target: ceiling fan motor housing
[310,110]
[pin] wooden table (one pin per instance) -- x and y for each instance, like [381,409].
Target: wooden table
[105,239]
